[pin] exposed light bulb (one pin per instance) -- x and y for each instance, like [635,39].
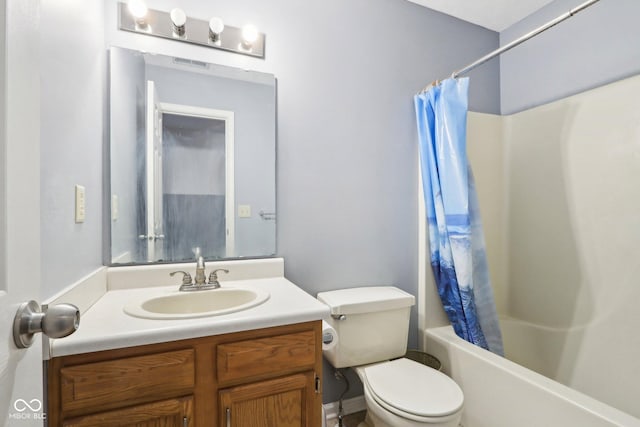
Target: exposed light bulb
[138,10]
[178,19]
[216,27]
[249,35]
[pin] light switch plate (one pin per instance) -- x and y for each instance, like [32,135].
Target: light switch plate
[80,204]
[114,207]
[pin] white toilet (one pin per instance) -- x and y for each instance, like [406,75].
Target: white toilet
[372,326]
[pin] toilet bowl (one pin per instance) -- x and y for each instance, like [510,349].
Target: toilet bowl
[404,393]
[371,326]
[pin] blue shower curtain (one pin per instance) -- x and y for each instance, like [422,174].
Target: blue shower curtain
[455,232]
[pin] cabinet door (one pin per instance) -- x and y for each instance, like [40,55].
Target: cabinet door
[166,413]
[281,402]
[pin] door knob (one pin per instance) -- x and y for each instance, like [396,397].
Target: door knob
[57,321]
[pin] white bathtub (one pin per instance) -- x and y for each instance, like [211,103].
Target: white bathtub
[536,347]
[501,393]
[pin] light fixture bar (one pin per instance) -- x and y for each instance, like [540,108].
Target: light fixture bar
[196,31]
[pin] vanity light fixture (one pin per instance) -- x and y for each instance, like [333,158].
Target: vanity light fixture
[138,10]
[249,36]
[176,25]
[178,19]
[216,27]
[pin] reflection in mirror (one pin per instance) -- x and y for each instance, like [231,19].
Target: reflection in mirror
[192,160]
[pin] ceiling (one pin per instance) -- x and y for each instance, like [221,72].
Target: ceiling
[495,15]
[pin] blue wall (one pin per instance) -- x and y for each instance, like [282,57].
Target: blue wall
[346,155]
[73,72]
[598,46]
[346,145]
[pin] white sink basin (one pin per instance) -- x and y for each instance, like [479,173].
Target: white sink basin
[186,305]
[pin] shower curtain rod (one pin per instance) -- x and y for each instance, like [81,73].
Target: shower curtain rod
[518,41]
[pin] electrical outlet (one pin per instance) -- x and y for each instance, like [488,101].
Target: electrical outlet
[244,211]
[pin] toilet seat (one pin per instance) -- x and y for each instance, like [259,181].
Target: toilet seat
[412,391]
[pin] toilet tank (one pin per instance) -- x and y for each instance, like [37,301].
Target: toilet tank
[372,324]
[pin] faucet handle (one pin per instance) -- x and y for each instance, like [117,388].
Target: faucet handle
[186,278]
[213,276]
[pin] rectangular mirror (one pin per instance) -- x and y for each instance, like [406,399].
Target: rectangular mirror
[192,160]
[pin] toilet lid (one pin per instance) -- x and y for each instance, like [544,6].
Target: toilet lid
[414,388]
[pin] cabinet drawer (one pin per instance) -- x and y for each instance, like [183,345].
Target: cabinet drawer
[127,381]
[264,356]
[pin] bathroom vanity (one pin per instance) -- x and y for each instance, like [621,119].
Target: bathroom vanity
[264,377]
[261,366]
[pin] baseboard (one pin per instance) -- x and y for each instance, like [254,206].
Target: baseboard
[349,406]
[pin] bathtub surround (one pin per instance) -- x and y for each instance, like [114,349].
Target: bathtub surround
[566,275]
[584,53]
[579,157]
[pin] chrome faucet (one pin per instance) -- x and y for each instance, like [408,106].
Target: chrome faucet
[200,278]
[200,282]
[187,284]
[213,278]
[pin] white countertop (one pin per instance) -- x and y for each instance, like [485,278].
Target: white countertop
[105,326]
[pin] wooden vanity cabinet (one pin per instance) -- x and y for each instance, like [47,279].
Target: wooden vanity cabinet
[266,377]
